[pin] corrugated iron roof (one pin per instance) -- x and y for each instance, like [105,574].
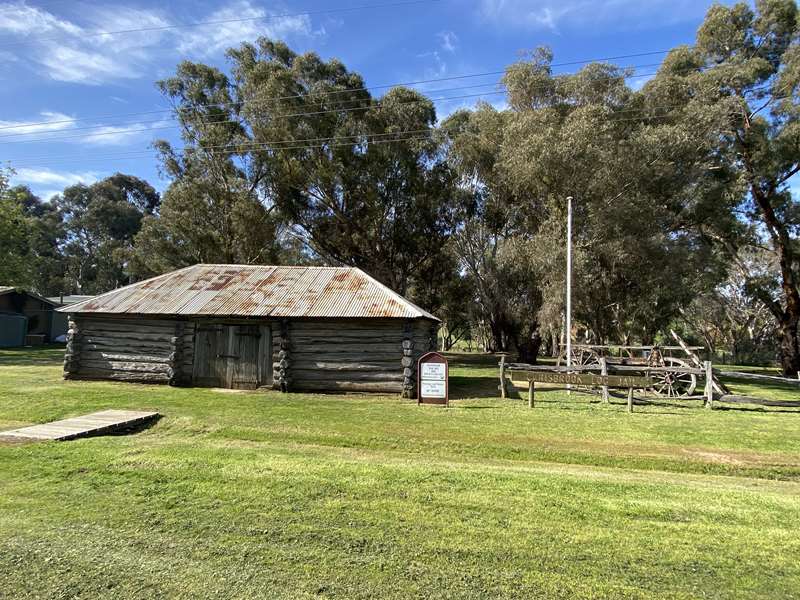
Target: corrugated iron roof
[69,299]
[256,291]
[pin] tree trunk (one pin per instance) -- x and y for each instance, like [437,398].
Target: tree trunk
[789,345]
[528,349]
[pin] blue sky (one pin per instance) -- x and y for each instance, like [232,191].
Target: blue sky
[60,77]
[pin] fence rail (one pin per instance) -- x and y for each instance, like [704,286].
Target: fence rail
[610,371]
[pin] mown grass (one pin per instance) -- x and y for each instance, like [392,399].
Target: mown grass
[266,495]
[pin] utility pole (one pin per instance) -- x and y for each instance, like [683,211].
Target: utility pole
[569,281]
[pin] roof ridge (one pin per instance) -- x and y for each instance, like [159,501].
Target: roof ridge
[268,291]
[271,266]
[77,305]
[422,312]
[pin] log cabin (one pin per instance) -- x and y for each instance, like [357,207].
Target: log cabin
[246,327]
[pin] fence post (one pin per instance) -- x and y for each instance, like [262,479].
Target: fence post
[503,376]
[630,400]
[604,373]
[709,384]
[530,394]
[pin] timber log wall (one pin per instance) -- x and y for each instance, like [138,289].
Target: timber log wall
[368,356]
[137,350]
[376,355]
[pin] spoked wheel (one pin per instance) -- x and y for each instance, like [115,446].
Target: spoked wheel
[674,384]
[585,357]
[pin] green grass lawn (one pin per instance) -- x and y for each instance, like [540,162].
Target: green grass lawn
[263,495]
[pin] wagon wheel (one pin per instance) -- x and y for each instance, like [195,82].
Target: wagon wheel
[674,384]
[585,357]
[580,357]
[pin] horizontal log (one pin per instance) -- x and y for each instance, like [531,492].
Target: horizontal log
[591,368]
[369,354]
[758,377]
[94,375]
[345,331]
[88,355]
[127,335]
[143,325]
[346,386]
[736,399]
[322,375]
[109,365]
[676,369]
[373,324]
[345,366]
[555,369]
[345,336]
[126,346]
[385,352]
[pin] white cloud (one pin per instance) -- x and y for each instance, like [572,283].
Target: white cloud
[49,177]
[115,135]
[24,20]
[48,121]
[554,15]
[213,39]
[449,41]
[79,66]
[66,51]
[77,52]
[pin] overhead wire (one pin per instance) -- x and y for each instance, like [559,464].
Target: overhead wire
[341,91]
[309,13]
[116,127]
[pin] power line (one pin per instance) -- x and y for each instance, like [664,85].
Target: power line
[242,147]
[138,155]
[249,146]
[309,13]
[377,105]
[344,91]
[253,145]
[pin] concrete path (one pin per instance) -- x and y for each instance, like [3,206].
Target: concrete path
[106,421]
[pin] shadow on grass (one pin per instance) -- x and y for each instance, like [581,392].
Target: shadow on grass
[50,354]
[464,388]
[130,429]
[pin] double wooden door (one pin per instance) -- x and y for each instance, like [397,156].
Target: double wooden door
[232,356]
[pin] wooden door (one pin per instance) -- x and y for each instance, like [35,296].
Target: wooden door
[243,358]
[210,363]
[232,356]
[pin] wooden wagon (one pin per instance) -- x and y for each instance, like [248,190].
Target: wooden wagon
[671,367]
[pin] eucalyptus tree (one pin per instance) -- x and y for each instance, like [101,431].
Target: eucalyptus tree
[100,222]
[44,234]
[585,135]
[506,294]
[733,99]
[14,259]
[359,180]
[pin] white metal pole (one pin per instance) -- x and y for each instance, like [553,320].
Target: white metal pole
[569,281]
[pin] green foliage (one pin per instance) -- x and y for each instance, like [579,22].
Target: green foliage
[14,267]
[734,95]
[30,232]
[293,147]
[100,222]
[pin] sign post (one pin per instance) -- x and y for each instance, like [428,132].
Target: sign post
[433,380]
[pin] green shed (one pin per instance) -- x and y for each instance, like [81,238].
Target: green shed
[13,328]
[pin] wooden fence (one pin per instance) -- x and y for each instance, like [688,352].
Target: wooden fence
[632,377]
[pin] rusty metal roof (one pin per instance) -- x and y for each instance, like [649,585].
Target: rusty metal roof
[256,291]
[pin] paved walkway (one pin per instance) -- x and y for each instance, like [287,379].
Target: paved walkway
[106,421]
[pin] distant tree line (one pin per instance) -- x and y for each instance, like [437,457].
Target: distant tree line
[684,216]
